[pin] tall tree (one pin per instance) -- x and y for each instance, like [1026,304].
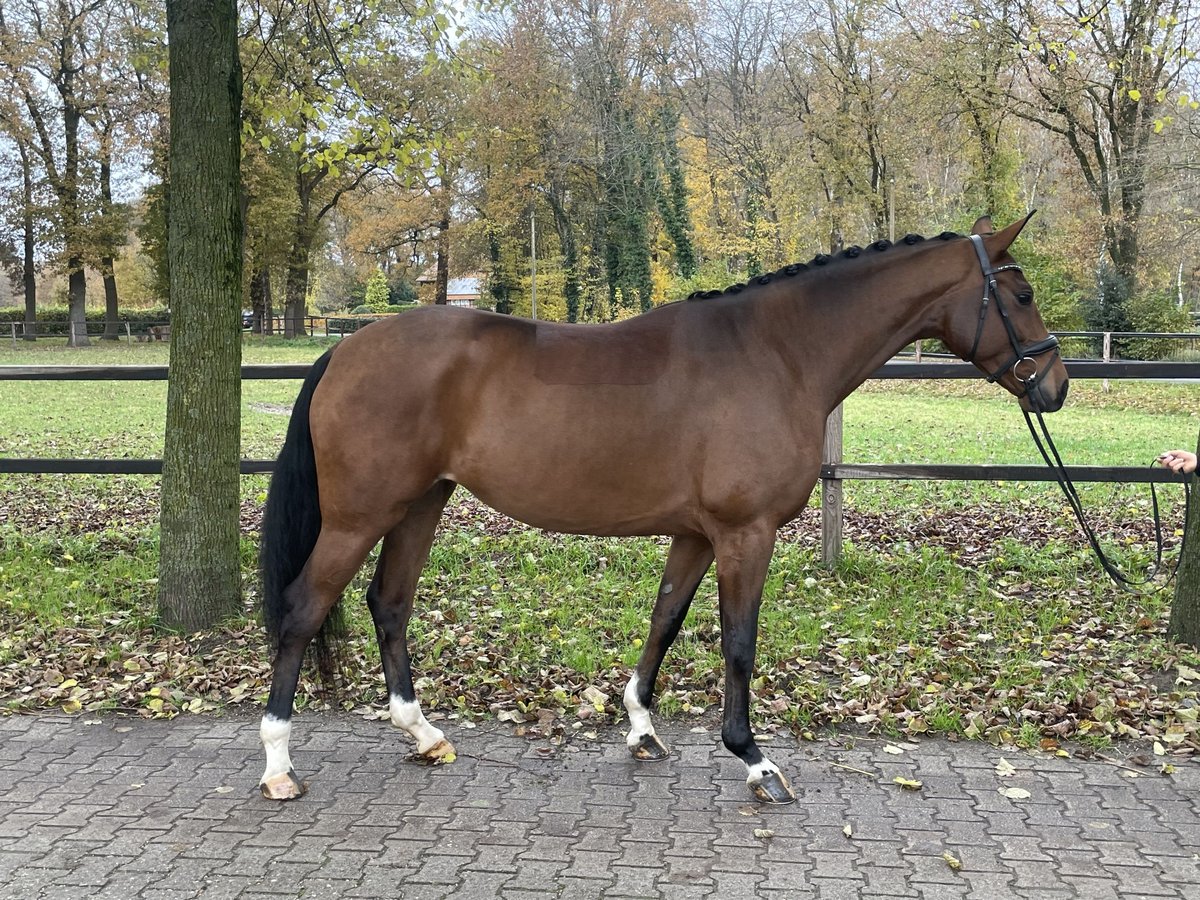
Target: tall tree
[45,49]
[1098,76]
[199,570]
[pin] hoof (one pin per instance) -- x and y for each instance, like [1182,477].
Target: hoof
[441,752]
[773,788]
[283,787]
[649,748]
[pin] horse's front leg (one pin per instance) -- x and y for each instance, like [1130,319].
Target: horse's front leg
[742,561]
[688,560]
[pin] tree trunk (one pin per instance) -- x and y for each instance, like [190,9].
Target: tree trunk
[111,325]
[77,302]
[295,299]
[1185,611]
[76,281]
[29,262]
[442,283]
[260,301]
[199,564]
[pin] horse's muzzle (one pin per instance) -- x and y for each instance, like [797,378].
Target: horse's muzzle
[1040,400]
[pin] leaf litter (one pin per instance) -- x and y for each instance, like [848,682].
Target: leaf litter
[1087,675]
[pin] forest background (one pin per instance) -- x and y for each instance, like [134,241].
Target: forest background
[657,148]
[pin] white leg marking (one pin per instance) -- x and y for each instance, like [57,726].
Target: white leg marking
[758,771]
[639,717]
[408,715]
[667,588]
[275,733]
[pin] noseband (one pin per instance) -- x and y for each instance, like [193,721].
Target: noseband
[1022,352]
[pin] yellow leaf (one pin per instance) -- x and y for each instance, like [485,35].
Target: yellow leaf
[952,861]
[847,831]
[907,783]
[1014,793]
[72,706]
[1135,95]
[1159,749]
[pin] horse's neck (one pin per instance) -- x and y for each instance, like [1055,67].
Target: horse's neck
[848,323]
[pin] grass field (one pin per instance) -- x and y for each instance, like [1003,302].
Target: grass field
[962,608]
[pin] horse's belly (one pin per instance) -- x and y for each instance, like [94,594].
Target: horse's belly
[579,488]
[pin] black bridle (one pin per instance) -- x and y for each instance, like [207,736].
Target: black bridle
[1027,353]
[1021,352]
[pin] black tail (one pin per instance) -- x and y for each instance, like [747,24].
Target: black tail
[290,525]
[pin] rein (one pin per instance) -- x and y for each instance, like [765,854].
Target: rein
[1026,353]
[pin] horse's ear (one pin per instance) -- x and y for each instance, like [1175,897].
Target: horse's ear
[1004,239]
[983,225]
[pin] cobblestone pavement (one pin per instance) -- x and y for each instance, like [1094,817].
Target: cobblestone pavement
[126,808]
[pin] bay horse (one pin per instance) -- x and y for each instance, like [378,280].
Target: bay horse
[701,419]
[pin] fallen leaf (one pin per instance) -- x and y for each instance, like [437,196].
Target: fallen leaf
[763,833]
[907,783]
[224,789]
[847,831]
[748,810]
[1014,793]
[1005,769]
[892,749]
[1159,749]
[952,861]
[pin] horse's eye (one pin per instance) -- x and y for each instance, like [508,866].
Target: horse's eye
[1025,298]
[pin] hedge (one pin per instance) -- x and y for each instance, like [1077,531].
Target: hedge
[53,320]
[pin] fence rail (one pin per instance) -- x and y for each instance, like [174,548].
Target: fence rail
[318,326]
[833,470]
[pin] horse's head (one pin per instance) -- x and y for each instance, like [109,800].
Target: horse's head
[1002,332]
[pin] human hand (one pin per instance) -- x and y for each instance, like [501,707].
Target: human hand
[1178,461]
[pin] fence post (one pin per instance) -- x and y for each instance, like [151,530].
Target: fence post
[917,348]
[831,491]
[1107,356]
[14,334]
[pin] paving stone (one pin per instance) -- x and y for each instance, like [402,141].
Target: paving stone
[504,821]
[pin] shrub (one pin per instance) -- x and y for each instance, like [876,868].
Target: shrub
[378,293]
[52,320]
[1155,311]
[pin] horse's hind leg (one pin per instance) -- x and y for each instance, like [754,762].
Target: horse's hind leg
[333,562]
[390,598]
[687,561]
